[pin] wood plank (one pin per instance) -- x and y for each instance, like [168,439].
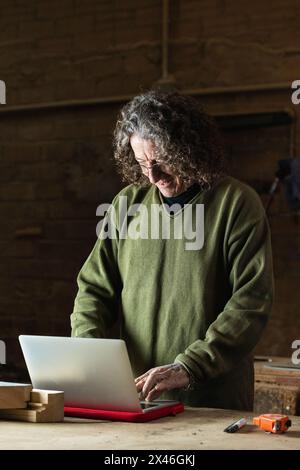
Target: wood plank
[14,395]
[45,406]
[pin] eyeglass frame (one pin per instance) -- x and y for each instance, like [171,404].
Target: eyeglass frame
[145,169]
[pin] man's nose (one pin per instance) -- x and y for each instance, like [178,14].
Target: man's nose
[153,175]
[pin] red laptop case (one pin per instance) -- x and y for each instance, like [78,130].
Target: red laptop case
[134,417]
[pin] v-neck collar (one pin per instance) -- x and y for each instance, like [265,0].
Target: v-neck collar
[159,198]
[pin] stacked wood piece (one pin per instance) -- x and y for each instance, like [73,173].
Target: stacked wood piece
[13,395]
[22,403]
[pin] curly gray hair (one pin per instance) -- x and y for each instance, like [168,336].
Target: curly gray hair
[184,136]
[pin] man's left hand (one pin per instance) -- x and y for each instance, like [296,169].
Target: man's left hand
[161,379]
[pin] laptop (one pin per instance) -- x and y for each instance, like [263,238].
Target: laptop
[93,373]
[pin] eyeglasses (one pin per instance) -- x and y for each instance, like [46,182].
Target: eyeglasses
[158,166]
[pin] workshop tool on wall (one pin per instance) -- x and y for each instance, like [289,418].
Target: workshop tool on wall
[289,174]
[274,423]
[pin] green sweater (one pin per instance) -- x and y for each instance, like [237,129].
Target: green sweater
[204,308]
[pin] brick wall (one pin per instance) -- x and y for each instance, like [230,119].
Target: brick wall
[56,166]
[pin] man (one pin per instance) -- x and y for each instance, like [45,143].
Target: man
[190,317]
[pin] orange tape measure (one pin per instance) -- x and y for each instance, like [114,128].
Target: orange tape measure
[274,423]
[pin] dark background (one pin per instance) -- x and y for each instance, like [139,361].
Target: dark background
[68,66]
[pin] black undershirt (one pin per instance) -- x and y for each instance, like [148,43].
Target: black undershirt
[184,197]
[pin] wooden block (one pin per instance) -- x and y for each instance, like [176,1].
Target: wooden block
[14,395]
[271,398]
[45,406]
[277,389]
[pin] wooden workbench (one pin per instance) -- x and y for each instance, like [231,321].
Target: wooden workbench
[195,428]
